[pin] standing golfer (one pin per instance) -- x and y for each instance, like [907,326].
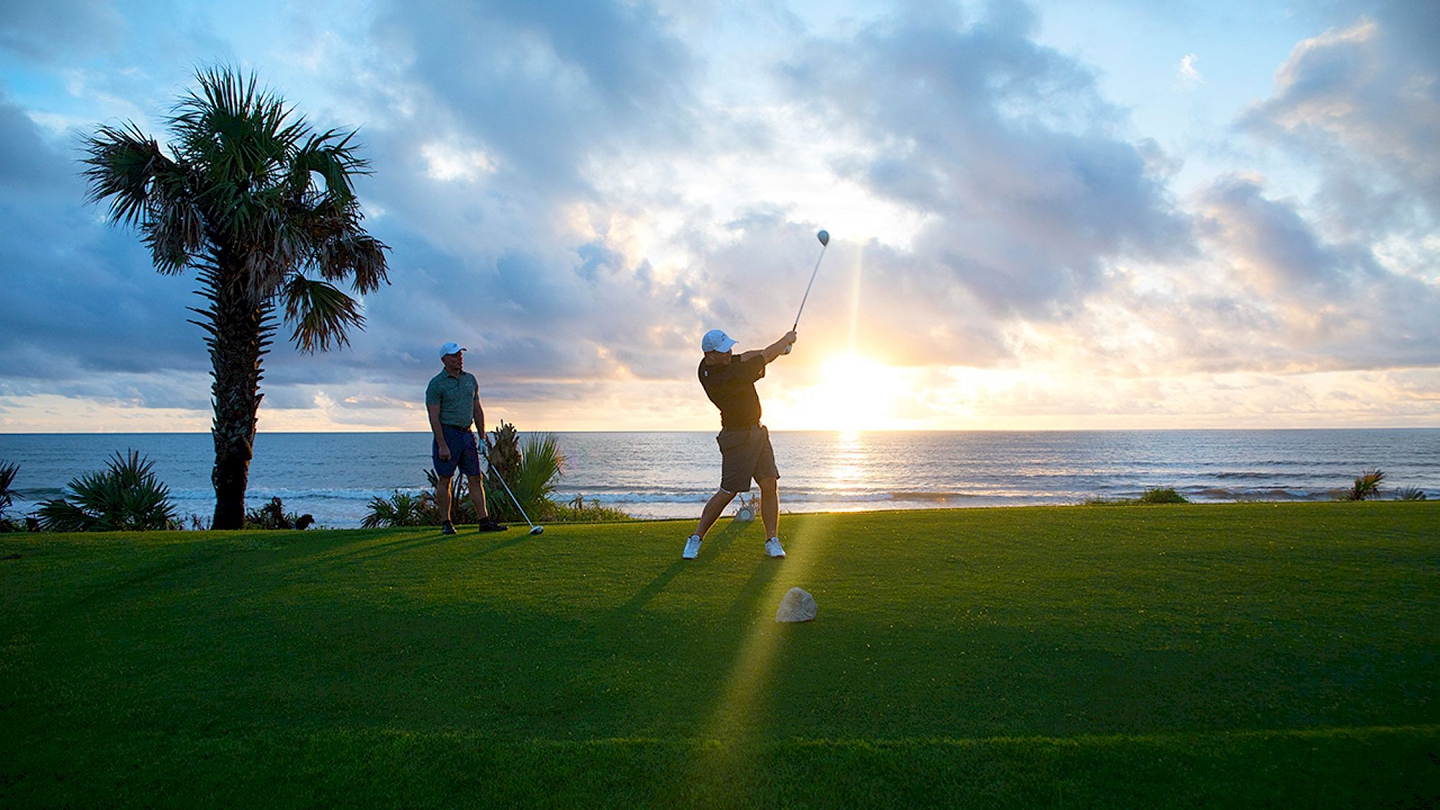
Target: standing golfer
[745,450]
[453,400]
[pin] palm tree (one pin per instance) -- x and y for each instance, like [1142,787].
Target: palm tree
[257,203]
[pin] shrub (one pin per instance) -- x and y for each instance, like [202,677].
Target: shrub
[529,473]
[1410,494]
[127,496]
[1152,496]
[1366,486]
[273,516]
[578,511]
[402,509]
[7,478]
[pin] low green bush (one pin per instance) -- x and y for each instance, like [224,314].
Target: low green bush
[1154,495]
[127,496]
[1166,495]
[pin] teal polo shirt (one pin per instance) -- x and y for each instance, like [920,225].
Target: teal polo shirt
[455,396]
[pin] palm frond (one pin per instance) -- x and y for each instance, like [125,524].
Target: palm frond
[330,156]
[7,479]
[356,255]
[401,509]
[540,465]
[320,314]
[122,163]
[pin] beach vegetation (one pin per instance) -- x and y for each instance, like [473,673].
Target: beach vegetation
[1163,495]
[403,509]
[1410,494]
[126,496]
[579,510]
[8,473]
[263,209]
[1154,495]
[530,472]
[530,469]
[273,516]
[1366,486]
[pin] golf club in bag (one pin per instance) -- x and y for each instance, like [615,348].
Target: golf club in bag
[498,477]
[824,237]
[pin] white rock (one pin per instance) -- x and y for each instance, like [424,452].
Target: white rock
[797,606]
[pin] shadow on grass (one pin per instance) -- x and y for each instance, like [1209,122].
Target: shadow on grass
[747,601]
[717,543]
[513,540]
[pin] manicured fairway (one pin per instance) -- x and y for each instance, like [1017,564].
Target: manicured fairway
[1244,655]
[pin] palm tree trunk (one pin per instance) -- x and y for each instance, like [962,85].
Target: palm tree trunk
[240,338]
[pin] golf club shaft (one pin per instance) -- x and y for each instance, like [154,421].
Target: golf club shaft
[808,286]
[513,499]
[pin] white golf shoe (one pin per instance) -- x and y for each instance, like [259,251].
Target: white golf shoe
[774,549]
[692,548]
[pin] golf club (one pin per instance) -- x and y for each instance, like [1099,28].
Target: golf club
[824,237]
[533,528]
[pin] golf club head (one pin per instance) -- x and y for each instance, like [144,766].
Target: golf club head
[537,529]
[824,237]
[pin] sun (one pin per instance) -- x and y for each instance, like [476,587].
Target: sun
[854,393]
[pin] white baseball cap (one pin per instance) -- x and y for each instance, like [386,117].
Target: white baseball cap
[450,348]
[716,341]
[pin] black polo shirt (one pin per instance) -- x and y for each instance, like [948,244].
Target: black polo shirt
[732,388]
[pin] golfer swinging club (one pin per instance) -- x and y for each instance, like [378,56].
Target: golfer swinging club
[453,401]
[745,449]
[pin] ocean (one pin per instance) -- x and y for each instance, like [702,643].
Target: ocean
[670,475]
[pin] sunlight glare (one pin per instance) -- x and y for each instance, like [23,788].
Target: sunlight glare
[855,393]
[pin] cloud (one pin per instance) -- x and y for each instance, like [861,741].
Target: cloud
[50,30]
[540,87]
[576,191]
[1029,187]
[1362,104]
[80,299]
[1189,74]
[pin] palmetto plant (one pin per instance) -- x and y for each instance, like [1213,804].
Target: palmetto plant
[264,210]
[7,496]
[7,478]
[401,509]
[1366,486]
[530,472]
[127,496]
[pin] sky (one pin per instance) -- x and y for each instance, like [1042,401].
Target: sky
[1043,215]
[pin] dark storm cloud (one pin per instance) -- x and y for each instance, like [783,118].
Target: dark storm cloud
[1005,144]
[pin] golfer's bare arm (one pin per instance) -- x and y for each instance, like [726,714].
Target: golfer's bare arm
[772,351]
[439,434]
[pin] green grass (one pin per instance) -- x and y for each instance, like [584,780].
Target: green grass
[1244,655]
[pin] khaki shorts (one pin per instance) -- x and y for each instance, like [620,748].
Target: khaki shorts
[745,455]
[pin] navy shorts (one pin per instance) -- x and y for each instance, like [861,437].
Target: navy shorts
[745,454]
[463,452]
